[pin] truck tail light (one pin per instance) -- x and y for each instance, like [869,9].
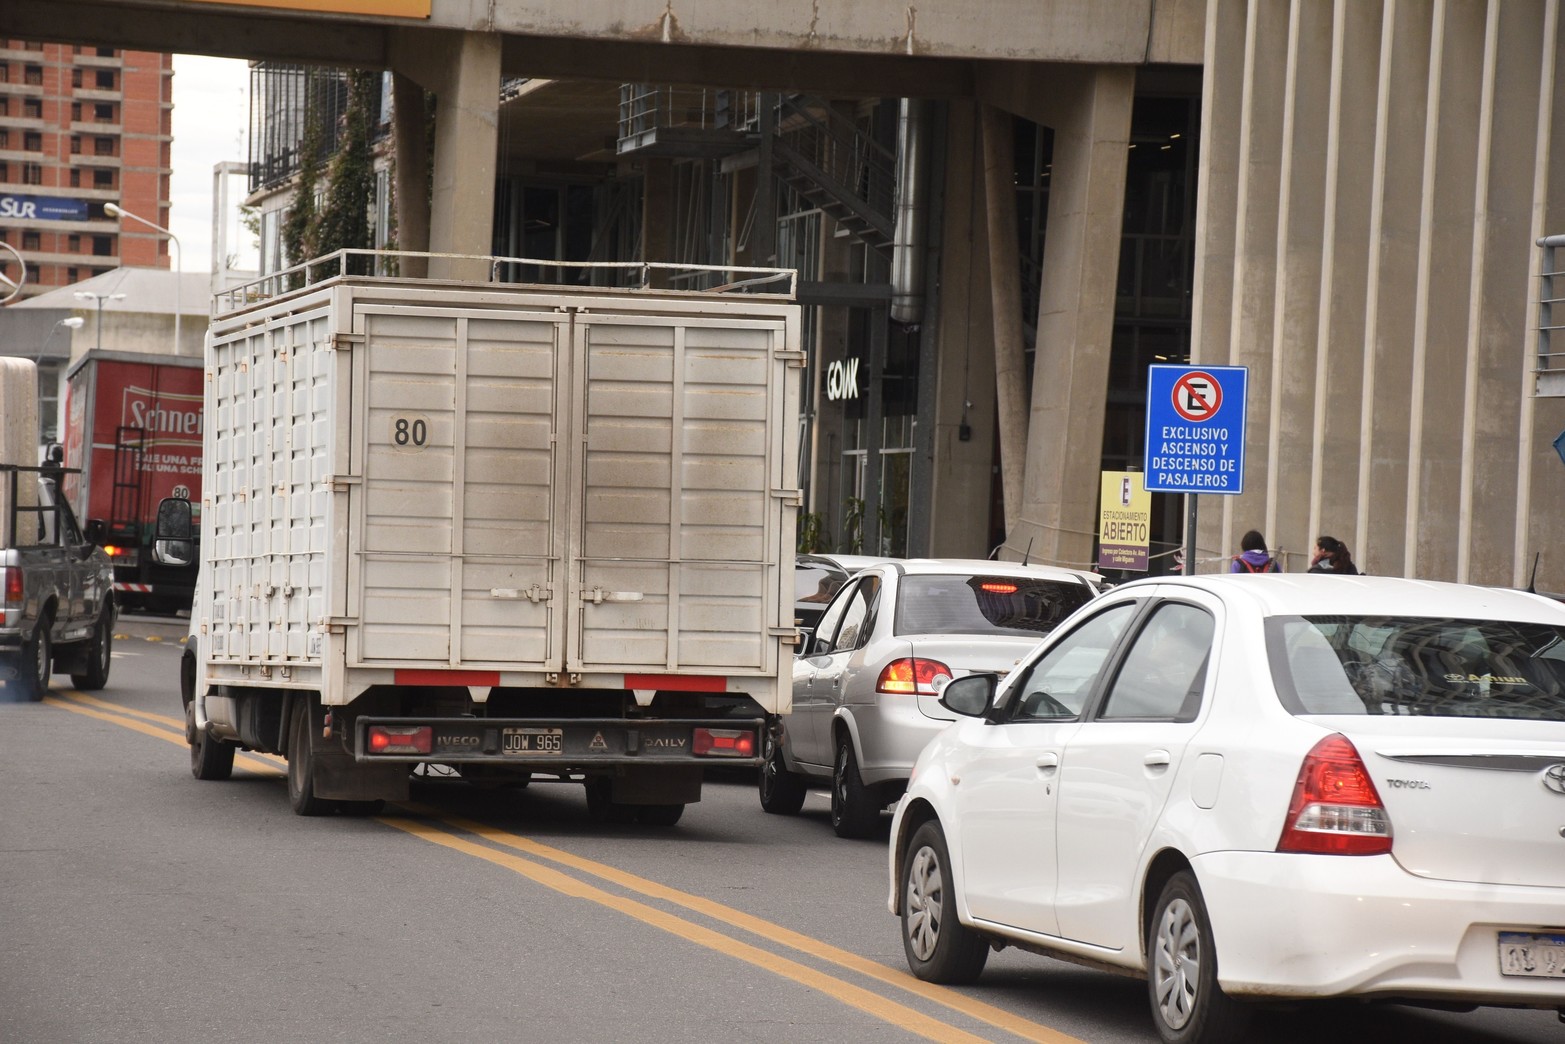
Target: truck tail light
[11,582]
[113,550]
[723,743]
[1335,809]
[401,739]
[913,674]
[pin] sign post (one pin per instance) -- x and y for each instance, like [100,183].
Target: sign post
[1195,435]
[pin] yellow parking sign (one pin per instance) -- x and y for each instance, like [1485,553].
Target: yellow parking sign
[1124,521]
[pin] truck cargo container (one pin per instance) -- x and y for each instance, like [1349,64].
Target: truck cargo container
[133,429]
[506,532]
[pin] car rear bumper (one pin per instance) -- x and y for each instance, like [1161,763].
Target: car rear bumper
[891,735]
[1290,925]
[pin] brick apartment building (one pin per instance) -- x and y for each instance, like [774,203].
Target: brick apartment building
[80,127]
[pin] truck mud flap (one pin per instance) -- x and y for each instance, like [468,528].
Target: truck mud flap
[559,744]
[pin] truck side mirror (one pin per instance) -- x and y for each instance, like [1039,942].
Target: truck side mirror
[172,540]
[95,532]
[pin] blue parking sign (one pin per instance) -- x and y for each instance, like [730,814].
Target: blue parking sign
[1195,429]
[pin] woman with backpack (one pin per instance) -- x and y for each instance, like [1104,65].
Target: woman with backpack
[1254,557]
[1331,556]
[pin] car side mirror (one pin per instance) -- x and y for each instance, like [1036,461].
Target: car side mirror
[173,540]
[802,637]
[96,532]
[970,696]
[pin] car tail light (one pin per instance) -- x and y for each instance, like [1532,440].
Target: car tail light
[1336,809]
[913,674]
[401,739]
[997,587]
[11,581]
[113,550]
[723,743]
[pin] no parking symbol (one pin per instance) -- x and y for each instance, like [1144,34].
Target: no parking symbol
[1197,396]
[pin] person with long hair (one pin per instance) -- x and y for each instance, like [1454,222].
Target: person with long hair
[1254,558]
[1331,556]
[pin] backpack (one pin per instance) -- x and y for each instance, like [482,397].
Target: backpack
[1269,567]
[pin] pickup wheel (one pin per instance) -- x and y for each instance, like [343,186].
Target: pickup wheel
[782,792]
[854,812]
[301,764]
[37,661]
[210,758]
[99,652]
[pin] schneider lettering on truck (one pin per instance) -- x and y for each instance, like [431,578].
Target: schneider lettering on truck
[133,431]
[505,532]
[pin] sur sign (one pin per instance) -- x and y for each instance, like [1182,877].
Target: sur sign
[1195,429]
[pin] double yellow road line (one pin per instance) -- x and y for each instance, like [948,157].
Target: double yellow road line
[635,896]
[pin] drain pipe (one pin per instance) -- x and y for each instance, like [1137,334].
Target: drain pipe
[907,243]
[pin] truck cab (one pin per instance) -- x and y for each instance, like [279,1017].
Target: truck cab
[58,610]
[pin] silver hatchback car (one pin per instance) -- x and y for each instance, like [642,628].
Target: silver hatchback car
[867,680]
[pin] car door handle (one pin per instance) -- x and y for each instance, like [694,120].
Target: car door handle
[836,680]
[1156,759]
[1048,762]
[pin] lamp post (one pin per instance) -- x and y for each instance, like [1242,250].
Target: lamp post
[115,210]
[88,295]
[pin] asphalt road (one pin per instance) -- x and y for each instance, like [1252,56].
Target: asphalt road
[139,904]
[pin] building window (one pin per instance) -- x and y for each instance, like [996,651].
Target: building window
[76,178]
[76,77]
[75,242]
[5,139]
[76,112]
[32,174]
[5,72]
[102,246]
[72,274]
[102,179]
[32,141]
[5,171]
[103,146]
[32,108]
[33,74]
[30,241]
[103,113]
[105,79]
[105,52]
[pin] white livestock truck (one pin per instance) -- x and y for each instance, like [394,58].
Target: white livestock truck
[494,530]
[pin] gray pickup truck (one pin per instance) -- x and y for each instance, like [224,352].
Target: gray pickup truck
[57,608]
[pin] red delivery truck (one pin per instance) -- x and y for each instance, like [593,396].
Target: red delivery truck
[133,427]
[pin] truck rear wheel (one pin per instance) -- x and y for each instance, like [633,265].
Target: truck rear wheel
[301,764]
[99,652]
[659,815]
[602,807]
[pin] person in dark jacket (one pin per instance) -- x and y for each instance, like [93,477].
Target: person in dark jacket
[1254,557]
[1331,556]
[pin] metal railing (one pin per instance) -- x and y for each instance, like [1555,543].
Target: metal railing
[1551,357]
[645,109]
[836,147]
[381,265]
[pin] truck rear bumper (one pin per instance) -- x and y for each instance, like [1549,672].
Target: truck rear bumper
[559,744]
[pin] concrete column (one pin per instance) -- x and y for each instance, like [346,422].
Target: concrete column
[1089,108]
[1385,337]
[1005,294]
[411,132]
[962,476]
[657,208]
[467,118]
[463,71]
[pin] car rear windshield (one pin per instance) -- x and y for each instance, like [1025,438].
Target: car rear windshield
[1430,667]
[957,604]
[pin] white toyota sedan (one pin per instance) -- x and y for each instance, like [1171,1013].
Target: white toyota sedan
[1257,787]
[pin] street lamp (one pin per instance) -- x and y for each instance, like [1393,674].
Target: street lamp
[115,210]
[88,295]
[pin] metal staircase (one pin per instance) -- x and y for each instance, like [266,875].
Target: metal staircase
[821,154]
